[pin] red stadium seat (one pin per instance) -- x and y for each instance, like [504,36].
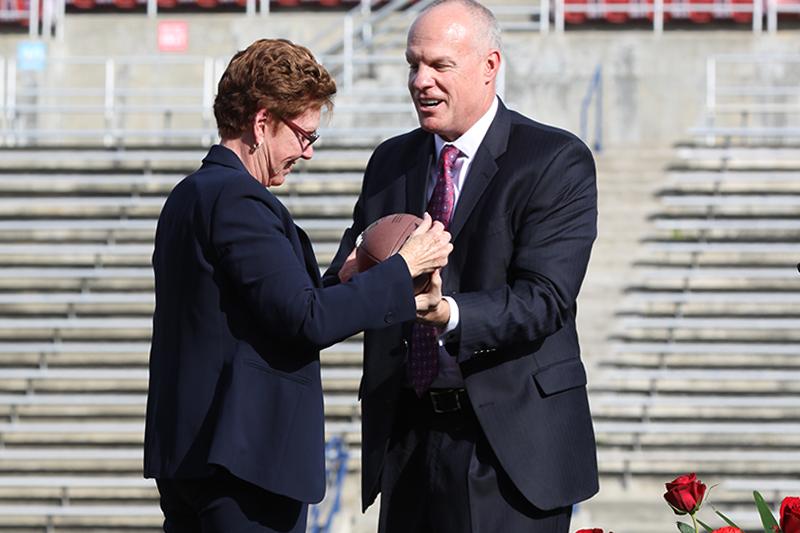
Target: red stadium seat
[167,4]
[289,3]
[125,4]
[795,5]
[617,17]
[574,17]
[742,16]
[329,3]
[207,4]
[83,4]
[22,5]
[700,17]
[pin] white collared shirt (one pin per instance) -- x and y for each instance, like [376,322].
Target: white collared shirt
[468,144]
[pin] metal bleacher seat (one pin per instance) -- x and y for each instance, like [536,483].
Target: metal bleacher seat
[730,176]
[688,272]
[678,296]
[741,225]
[710,347]
[703,372]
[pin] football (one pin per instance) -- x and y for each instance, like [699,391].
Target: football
[384,238]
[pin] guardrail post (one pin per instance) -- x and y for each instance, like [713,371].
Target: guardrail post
[108,104]
[264,8]
[772,16]
[711,83]
[366,27]
[758,16]
[558,19]
[208,97]
[598,112]
[348,53]
[3,93]
[595,88]
[658,16]
[711,95]
[11,100]
[61,9]
[544,16]
[47,18]
[33,19]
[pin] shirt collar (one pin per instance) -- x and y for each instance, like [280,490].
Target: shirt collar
[471,140]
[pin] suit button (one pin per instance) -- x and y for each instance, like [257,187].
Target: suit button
[400,350]
[389,318]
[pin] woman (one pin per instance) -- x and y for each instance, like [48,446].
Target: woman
[234,433]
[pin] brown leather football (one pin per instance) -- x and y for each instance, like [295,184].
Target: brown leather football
[384,238]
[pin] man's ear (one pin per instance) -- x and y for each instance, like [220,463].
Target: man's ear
[491,65]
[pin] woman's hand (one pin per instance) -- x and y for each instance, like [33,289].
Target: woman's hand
[427,248]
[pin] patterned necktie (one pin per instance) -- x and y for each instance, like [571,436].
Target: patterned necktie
[423,363]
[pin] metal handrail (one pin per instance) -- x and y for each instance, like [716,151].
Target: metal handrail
[594,93]
[757,103]
[337,456]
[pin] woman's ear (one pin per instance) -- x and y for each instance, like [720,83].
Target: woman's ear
[261,122]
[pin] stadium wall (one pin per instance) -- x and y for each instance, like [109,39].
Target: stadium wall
[653,86]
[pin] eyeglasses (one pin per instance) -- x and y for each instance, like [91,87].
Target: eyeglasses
[310,136]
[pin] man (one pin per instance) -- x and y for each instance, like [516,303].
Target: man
[489,431]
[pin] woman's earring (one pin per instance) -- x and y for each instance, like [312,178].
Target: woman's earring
[255,147]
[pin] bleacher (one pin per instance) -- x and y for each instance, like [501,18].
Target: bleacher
[704,375]
[75,317]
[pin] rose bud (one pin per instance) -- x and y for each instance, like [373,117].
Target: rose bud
[685,494]
[790,515]
[728,529]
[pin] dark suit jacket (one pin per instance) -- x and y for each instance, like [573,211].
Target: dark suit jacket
[522,232]
[239,321]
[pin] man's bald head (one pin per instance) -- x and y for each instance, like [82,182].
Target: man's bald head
[487,31]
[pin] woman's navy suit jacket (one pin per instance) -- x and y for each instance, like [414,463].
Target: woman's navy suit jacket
[240,318]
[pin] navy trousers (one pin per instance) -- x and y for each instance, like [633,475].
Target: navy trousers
[441,476]
[223,503]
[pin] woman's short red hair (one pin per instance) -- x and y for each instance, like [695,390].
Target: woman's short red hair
[275,74]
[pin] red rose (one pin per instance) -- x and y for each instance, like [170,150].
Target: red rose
[790,515]
[685,494]
[595,530]
[728,530]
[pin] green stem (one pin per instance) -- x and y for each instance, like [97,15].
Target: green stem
[694,522]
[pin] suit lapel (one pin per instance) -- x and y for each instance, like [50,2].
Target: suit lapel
[480,174]
[483,169]
[306,254]
[417,180]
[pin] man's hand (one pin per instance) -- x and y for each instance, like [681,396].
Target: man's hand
[349,268]
[432,309]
